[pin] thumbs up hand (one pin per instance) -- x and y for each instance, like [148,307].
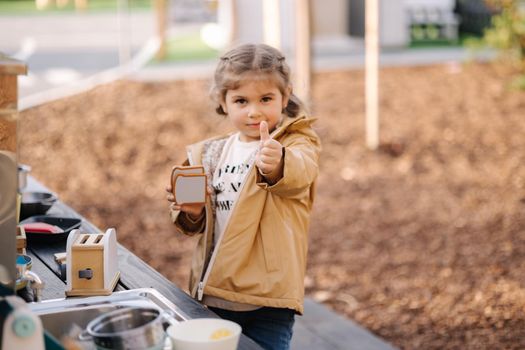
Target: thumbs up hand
[270,153]
[264,132]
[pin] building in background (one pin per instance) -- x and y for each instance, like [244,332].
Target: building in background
[339,24]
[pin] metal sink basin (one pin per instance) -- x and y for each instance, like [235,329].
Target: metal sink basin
[65,317]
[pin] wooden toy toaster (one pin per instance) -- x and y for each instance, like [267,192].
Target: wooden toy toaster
[92,264]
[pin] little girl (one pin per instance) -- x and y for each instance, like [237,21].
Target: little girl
[250,261]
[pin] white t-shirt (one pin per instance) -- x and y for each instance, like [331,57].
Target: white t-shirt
[234,164]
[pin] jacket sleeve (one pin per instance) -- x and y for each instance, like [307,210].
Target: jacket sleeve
[187,225]
[300,167]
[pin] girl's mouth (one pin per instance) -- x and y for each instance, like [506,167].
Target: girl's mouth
[254,126]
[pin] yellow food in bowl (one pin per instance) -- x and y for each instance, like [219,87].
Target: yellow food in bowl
[220,333]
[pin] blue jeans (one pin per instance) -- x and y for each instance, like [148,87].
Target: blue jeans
[270,327]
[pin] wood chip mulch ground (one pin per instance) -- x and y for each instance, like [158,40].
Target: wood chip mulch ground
[422,242]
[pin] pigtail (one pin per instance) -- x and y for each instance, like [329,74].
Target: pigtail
[294,106]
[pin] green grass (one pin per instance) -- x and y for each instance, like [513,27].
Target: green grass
[433,43]
[29,6]
[187,48]
[463,40]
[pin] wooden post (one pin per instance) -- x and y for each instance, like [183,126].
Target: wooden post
[161,10]
[9,71]
[372,73]
[41,4]
[272,23]
[227,14]
[81,5]
[124,44]
[302,51]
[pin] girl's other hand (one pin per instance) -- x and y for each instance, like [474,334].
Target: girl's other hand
[194,210]
[270,153]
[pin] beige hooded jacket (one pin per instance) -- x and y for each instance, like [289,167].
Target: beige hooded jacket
[260,258]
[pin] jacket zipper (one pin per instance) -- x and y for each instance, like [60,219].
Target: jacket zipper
[200,289]
[202,282]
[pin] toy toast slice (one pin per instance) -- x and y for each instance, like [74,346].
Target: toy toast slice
[181,169]
[189,188]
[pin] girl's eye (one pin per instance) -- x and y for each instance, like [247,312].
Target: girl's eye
[266,99]
[240,101]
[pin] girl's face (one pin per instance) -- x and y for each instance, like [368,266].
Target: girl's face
[253,101]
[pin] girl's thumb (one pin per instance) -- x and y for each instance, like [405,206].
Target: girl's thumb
[263,129]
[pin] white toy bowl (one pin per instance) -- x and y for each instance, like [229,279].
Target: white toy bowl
[198,334]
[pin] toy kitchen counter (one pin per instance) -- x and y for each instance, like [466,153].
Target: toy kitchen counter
[135,274]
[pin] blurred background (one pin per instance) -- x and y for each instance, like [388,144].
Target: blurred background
[418,231]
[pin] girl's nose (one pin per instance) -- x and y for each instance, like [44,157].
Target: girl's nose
[253,112]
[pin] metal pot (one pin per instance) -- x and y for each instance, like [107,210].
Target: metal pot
[131,328]
[36,203]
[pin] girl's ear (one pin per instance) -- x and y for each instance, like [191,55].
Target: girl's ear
[286,96]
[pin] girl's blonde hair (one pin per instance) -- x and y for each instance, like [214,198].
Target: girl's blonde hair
[259,59]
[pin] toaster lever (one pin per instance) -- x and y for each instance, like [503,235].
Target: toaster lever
[87,274]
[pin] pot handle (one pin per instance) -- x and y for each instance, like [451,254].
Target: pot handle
[168,316]
[84,336]
[50,200]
